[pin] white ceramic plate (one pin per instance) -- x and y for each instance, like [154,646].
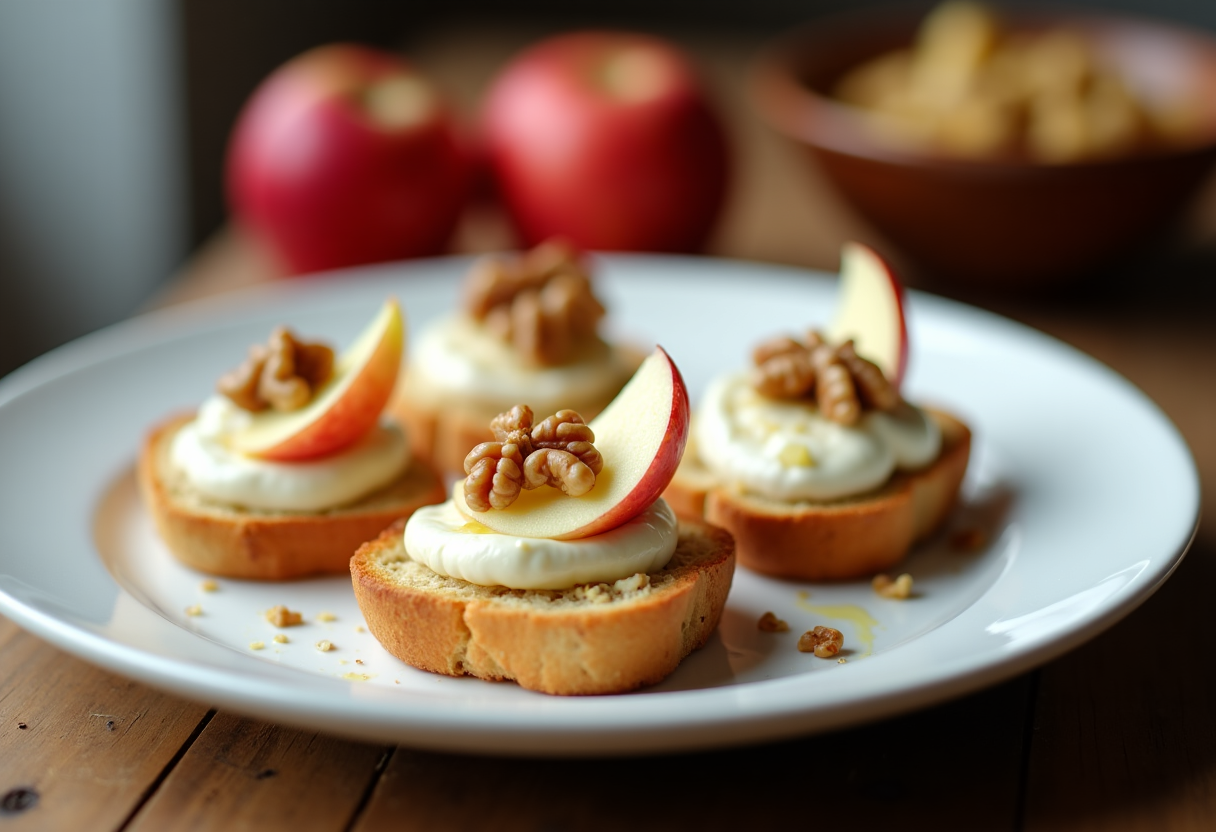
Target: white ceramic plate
[1085,491]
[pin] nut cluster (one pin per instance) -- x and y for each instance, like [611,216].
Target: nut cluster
[541,302]
[841,381]
[557,452]
[770,623]
[973,87]
[282,374]
[824,642]
[898,588]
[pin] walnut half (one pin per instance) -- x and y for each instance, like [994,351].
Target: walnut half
[841,382]
[557,452]
[540,303]
[282,374]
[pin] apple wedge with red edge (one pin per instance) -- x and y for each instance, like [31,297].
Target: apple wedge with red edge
[870,310]
[640,435]
[345,408]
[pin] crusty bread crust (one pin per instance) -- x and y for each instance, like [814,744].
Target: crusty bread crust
[838,540]
[236,542]
[553,641]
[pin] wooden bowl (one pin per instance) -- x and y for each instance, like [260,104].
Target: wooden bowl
[998,223]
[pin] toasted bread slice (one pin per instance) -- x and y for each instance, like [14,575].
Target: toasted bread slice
[836,540]
[240,542]
[585,640]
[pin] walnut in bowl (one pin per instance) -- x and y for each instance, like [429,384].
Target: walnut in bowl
[993,206]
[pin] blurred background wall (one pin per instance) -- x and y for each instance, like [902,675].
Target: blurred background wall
[114,116]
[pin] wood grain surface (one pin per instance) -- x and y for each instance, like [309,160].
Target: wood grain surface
[1119,734]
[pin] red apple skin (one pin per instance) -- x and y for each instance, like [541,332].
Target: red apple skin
[314,176]
[659,475]
[354,413]
[897,289]
[350,418]
[614,429]
[571,158]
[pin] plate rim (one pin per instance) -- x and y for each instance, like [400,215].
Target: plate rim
[167,673]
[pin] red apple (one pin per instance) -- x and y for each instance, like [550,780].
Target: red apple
[347,407]
[870,310]
[347,155]
[641,436]
[608,140]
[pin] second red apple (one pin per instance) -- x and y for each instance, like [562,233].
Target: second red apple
[608,140]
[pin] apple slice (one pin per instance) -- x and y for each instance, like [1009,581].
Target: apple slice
[870,310]
[641,436]
[345,408]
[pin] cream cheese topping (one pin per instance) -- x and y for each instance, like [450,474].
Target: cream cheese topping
[452,545]
[456,356]
[787,450]
[201,451]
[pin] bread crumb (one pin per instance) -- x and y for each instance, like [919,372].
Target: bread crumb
[842,661]
[356,677]
[280,616]
[770,623]
[360,629]
[326,617]
[603,593]
[358,661]
[209,586]
[633,583]
[280,638]
[194,610]
[899,589]
[325,645]
[256,645]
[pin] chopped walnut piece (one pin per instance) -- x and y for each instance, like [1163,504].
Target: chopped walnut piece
[280,616]
[786,375]
[824,642]
[557,452]
[835,392]
[495,475]
[770,623]
[900,588]
[840,381]
[560,469]
[282,374]
[541,303]
[872,386]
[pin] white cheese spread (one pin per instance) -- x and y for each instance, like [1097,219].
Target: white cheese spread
[202,452]
[457,358]
[787,450]
[452,545]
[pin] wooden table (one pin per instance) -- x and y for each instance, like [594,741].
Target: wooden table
[1117,735]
